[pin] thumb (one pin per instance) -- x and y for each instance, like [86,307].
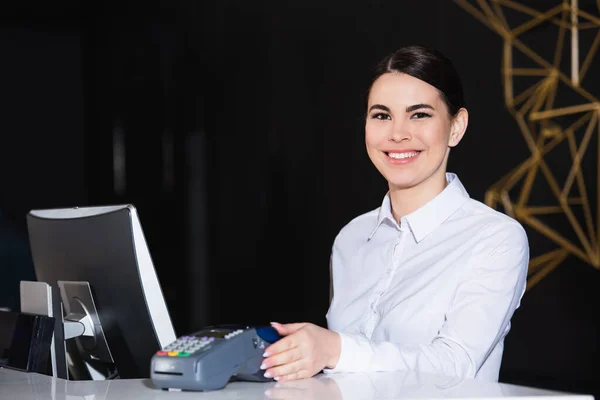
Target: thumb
[287,329]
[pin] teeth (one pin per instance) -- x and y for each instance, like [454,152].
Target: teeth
[400,156]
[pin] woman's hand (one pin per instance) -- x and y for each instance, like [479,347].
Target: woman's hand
[304,351]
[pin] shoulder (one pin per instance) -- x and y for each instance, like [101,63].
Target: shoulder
[497,231]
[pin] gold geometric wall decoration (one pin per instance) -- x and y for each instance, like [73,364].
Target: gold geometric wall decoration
[546,125]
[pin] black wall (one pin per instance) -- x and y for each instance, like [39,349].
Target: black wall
[243,127]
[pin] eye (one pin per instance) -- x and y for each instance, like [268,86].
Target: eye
[381,116]
[420,115]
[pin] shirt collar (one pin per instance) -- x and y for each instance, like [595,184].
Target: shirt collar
[426,219]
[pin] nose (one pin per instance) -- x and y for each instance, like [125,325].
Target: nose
[399,133]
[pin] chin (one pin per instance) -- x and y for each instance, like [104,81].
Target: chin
[403,183]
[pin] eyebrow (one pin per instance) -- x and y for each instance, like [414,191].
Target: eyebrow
[379,107]
[418,106]
[408,109]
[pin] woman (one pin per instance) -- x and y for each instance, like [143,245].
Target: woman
[428,281]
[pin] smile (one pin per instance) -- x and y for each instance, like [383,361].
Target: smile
[404,157]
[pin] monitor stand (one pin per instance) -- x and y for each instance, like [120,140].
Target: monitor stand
[37,298]
[87,355]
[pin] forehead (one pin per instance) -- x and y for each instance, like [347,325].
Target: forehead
[402,90]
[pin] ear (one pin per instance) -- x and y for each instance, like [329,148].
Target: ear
[458,127]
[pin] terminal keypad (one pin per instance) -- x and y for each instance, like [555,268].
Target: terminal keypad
[186,346]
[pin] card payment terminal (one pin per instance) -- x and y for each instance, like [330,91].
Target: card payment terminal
[210,358]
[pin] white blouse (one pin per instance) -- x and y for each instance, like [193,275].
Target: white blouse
[434,293]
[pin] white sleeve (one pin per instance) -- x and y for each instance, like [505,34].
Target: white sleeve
[476,320]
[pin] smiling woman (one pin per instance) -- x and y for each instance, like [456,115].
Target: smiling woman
[411,124]
[430,280]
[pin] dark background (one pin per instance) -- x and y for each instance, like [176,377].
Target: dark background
[241,125]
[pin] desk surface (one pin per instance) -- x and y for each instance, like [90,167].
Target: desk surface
[26,386]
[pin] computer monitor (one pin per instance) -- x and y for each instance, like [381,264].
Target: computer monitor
[105,247]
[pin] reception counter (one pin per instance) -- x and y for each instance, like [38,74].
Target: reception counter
[29,386]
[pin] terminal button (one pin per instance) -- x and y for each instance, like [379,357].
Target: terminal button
[162,353]
[234,333]
[173,353]
[183,354]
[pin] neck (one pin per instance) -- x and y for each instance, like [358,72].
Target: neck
[407,200]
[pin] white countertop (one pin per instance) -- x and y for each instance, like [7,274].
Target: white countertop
[398,385]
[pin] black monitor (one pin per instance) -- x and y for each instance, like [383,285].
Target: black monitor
[99,267]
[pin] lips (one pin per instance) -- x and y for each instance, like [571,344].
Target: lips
[402,157]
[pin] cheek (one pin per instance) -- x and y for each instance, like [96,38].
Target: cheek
[369,140]
[436,136]
[373,136]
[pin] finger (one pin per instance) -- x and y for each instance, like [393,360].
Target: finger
[285,357]
[287,343]
[287,329]
[285,369]
[302,374]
